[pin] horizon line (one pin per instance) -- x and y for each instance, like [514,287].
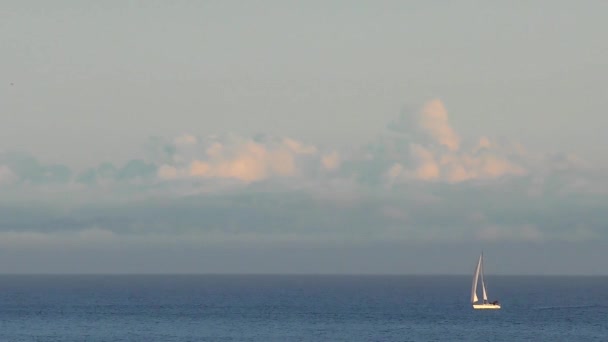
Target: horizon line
[287,274]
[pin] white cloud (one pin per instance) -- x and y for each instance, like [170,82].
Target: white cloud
[433,120]
[248,162]
[441,156]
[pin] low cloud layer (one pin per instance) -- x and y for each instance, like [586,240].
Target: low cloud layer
[420,181]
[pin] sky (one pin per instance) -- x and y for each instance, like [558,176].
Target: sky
[303,137]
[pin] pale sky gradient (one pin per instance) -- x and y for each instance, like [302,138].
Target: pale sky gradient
[111,74]
[303,136]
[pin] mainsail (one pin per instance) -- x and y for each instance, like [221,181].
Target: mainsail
[478,272]
[475,280]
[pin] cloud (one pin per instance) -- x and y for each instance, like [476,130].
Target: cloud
[429,125]
[105,171]
[335,210]
[420,146]
[436,152]
[248,162]
[421,180]
[423,147]
[136,168]
[433,120]
[231,157]
[25,168]
[133,170]
[426,166]
[331,161]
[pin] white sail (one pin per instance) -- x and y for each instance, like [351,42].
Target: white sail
[475,280]
[483,284]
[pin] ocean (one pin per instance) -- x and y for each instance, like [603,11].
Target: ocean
[298,308]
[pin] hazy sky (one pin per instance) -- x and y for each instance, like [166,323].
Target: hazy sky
[310,136]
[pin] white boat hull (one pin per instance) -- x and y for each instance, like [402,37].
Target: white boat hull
[486,306]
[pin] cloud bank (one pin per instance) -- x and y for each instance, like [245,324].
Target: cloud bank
[420,181]
[419,147]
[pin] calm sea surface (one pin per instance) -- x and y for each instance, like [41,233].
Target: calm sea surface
[299,308]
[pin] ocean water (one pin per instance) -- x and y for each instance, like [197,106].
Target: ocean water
[299,308]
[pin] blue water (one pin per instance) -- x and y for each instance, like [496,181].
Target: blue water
[299,308]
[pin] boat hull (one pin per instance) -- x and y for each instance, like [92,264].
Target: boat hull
[486,306]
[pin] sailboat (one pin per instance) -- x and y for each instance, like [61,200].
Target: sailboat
[484,304]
